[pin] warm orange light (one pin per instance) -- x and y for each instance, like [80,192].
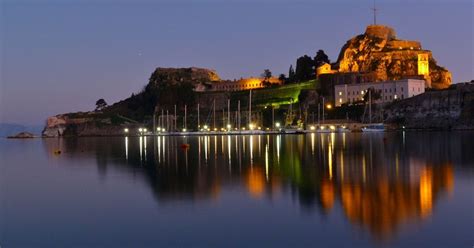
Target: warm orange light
[426,191]
[328,106]
[256,182]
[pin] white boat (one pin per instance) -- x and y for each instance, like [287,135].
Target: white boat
[343,129]
[323,129]
[379,127]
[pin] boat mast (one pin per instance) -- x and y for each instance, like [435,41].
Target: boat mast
[319,110]
[238,113]
[323,109]
[228,112]
[185,109]
[174,122]
[214,113]
[250,108]
[162,124]
[154,120]
[273,116]
[199,127]
[370,107]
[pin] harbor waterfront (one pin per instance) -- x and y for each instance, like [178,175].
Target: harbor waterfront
[387,189]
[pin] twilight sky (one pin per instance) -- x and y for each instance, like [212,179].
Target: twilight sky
[61,56]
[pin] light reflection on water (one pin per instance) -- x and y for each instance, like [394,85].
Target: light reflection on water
[378,183]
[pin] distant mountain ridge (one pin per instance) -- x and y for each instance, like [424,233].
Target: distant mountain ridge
[7,129]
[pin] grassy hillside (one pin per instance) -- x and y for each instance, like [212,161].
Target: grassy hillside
[277,95]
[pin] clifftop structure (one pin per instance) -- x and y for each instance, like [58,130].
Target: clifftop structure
[192,75]
[378,55]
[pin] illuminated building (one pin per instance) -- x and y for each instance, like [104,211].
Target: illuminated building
[324,69]
[389,91]
[244,84]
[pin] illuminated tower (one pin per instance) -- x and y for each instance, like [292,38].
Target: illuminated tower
[424,68]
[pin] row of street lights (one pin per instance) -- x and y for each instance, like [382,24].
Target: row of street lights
[252,126]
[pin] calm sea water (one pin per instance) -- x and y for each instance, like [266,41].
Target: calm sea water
[406,189]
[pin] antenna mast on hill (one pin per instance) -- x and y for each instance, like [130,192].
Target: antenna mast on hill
[375,14]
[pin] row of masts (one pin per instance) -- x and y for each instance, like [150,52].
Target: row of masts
[165,124]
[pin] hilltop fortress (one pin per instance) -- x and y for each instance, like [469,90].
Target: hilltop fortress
[378,55]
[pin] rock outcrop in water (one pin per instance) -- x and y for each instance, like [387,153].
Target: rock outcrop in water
[22,135]
[381,54]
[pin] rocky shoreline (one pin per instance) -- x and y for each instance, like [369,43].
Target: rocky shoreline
[449,109]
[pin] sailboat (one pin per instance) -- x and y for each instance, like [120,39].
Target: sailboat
[375,127]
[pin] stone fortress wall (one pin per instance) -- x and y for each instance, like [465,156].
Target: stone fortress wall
[403,44]
[381,31]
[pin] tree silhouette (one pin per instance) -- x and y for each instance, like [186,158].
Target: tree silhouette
[304,69]
[100,104]
[291,74]
[374,94]
[321,58]
[267,74]
[282,78]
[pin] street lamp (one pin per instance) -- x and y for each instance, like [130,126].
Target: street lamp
[251,126]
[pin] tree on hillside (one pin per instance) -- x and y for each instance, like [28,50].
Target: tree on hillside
[282,78]
[291,74]
[321,58]
[100,104]
[267,74]
[304,69]
[374,95]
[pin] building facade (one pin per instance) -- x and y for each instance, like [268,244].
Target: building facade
[244,84]
[389,91]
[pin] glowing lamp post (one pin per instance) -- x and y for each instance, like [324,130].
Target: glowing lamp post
[251,126]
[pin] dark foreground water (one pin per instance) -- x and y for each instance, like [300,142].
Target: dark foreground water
[329,190]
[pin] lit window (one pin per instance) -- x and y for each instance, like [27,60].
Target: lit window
[340,100]
[395,96]
[340,93]
[361,92]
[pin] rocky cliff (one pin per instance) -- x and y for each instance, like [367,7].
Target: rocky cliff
[379,52]
[451,108]
[166,87]
[175,75]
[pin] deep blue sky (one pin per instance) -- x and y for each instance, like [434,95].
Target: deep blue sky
[61,56]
